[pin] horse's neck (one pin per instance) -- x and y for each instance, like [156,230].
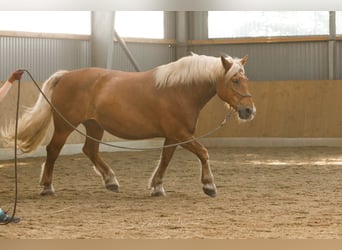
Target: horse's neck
[202,94]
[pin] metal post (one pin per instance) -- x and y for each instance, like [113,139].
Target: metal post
[182,34]
[102,38]
[127,51]
[332,45]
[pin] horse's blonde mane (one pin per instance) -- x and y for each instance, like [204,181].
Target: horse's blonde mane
[194,69]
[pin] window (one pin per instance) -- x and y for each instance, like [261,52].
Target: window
[338,16]
[65,22]
[267,23]
[142,24]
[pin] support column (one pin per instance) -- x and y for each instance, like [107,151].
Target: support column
[332,46]
[181,34]
[102,38]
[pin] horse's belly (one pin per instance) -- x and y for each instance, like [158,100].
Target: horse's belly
[142,129]
[133,134]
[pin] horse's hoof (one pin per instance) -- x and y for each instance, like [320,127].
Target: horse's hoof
[210,190]
[47,192]
[113,188]
[158,191]
[158,194]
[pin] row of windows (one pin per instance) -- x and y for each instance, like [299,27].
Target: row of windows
[267,24]
[150,24]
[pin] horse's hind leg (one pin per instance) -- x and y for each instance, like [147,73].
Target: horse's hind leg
[53,150]
[156,181]
[91,149]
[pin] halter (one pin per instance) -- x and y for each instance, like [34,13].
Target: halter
[236,67]
[240,94]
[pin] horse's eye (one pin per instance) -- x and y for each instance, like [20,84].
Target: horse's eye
[236,81]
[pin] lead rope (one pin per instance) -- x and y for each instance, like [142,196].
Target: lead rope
[123,147]
[15,160]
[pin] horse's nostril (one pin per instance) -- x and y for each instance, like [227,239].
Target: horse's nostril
[246,112]
[249,111]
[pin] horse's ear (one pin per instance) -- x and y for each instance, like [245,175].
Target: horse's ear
[226,64]
[244,60]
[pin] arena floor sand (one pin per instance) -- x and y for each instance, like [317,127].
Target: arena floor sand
[263,193]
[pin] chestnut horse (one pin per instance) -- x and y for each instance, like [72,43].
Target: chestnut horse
[163,102]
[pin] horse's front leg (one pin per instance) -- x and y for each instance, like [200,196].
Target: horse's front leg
[156,181]
[207,177]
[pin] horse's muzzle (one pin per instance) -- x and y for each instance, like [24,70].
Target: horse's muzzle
[245,112]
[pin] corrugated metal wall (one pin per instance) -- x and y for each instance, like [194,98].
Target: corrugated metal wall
[148,56]
[339,60]
[278,61]
[42,56]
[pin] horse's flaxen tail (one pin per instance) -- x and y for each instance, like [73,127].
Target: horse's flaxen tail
[34,123]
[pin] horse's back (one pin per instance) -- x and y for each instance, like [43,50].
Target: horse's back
[88,83]
[126,104]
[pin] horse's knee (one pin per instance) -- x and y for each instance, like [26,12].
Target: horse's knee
[203,155]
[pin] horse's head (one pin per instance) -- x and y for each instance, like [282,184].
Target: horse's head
[232,87]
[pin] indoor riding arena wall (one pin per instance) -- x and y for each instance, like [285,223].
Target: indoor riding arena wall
[285,109]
